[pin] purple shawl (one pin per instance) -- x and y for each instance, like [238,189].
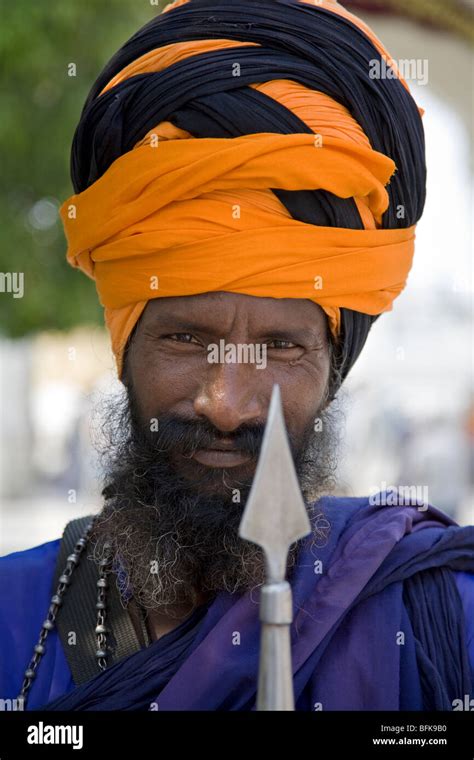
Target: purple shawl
[380,627]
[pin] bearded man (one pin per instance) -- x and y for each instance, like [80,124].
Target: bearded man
[241,180]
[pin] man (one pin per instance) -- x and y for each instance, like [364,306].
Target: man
[246,198]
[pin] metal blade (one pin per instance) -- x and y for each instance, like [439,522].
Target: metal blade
[275,515]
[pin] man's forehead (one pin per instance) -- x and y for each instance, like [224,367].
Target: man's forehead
[216,306]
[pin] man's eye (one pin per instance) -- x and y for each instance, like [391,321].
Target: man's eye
[182,338]
[281,344]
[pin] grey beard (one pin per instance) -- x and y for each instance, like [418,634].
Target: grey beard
[175,540]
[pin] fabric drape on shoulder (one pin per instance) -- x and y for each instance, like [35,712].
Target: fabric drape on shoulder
[385,571]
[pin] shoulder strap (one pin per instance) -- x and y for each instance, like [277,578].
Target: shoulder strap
[77,614]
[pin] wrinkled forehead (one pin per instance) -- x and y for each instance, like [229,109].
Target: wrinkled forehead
[222,311]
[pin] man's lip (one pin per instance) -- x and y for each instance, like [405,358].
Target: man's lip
[221,458]
[223,444]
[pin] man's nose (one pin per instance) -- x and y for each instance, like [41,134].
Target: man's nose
[228,397]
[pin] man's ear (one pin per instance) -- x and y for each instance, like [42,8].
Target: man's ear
[335,378]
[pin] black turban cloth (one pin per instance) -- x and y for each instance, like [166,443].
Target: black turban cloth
[297,41]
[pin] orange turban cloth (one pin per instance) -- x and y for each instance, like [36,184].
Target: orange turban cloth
[176,215]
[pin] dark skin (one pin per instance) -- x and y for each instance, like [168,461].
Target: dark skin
[167,363]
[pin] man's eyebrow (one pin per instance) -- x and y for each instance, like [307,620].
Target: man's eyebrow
[294,334]
[163,321]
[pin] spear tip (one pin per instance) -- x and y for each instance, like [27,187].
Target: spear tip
[275,515]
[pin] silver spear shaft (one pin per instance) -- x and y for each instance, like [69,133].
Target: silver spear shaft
[274,518]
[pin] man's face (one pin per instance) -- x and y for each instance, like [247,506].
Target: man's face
[185,440]
[175,368]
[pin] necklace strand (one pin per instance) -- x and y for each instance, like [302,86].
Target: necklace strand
[56,601]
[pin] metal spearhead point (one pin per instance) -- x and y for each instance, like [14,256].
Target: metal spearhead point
[275,515]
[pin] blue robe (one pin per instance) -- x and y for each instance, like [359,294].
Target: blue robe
[345,635]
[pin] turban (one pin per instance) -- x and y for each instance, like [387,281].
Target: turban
[242,146]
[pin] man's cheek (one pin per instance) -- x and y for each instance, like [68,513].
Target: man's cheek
[159,390]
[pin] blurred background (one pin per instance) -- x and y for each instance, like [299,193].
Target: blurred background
[409,400]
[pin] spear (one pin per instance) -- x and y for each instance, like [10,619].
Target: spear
[275,517]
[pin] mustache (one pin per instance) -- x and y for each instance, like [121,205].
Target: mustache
[173,434]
